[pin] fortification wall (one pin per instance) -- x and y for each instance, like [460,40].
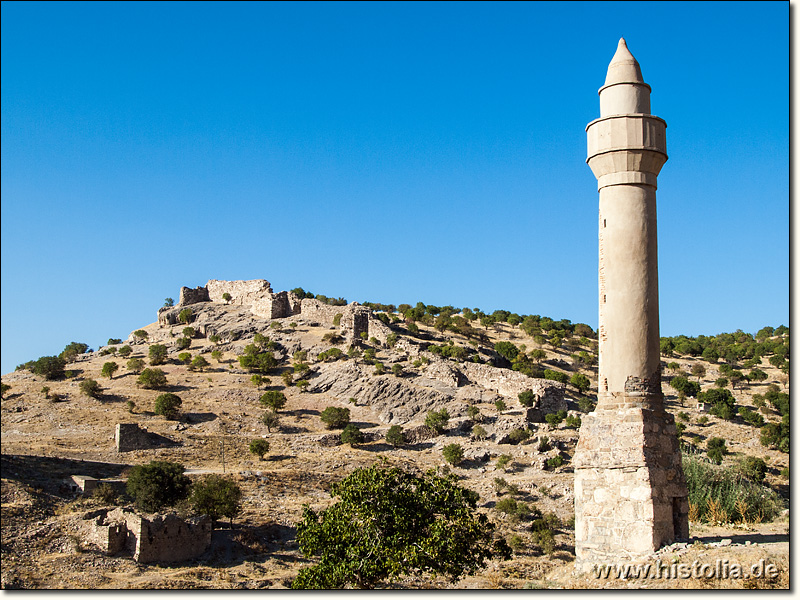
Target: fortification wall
[129,436]
[244,293]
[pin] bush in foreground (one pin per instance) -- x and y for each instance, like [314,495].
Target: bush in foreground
[388,524]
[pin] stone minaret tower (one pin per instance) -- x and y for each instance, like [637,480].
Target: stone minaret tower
[630,493]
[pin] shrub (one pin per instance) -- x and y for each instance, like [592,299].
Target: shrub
[168,405]
[503,461]
[544,540]
[351,435]
[500,405]
[90,388]
[683,384]
[185,316]
[395,436]
[378,368]
[72,350]
[217,355]
[152,379]
[580,382]
[135,364]
[259,447]
[753,468]
[216,496]
[554,462]
[751,417]
[573,422]
[125,351]
[722,403]
[716,449]
[722,493]
[4,389]
[257,362]
[214,338]
[157,354]
[527,398]
[109,369]
[453,453]
[518,435]
[131,406]
[474,413]
[397,370]
[555,418]
[157,484]
[384,516]
[140,333]
[437,420]
[555,376]
[585,405]
[776,435]
[270,419]
[274,400]
[227,297]
[544,444]
[185,357]
[335,417]
[183,343]
[199,363]
[188,332]
[479,433]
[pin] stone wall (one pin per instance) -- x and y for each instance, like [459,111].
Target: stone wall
[129,436]
[162,538]
[193,296]
[243,293]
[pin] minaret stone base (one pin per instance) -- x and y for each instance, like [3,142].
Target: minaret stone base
[630,493]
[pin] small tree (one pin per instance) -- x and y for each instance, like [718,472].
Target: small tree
[90,388]
[183,343]
[527,398]
[395,436]
[157,354]
[716,449]
[125,351]
[168,405]
[500,405]
[271,419]
[437,420]
[157,484]
[185,316]
[257,380]
[217,355]
[335,417]
[352,435]
[479,433]
[217,497]
[109,369]
[214,338]
[152,379]
[185,357]
[274,400]
[580,382]
[453,453]
[135,365]
[199,363]
[169,302]
[140,333]
[226,297]
[259,447]
[5,389]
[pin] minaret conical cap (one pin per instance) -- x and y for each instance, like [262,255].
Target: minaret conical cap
[623,67]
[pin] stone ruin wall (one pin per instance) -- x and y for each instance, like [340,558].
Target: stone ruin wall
[129,436]
[156,538]
[243,293]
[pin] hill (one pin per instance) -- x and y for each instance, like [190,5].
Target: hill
[387,366]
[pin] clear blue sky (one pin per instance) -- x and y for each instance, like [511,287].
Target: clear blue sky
[391,152]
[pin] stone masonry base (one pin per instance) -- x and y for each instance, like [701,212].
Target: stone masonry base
[630,492]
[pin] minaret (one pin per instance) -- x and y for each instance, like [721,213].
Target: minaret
[630,493]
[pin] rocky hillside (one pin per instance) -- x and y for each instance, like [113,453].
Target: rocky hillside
[387,368]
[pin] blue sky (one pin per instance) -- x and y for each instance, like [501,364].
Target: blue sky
[389,152]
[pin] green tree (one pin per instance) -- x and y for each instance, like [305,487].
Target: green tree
[185,357]
[4,389]
[157,485]
[217,497]
[217,355]
[716,449]
[214,338]
[722,402]
[500,405]
[527,398]
[168,406]
[169,302]
[395,436]
[109,369]
[437,420]
[72,350]
[183,343]
[698,370]
[157,354]
[199,363]
[335,417]
[274,400]
[507,350]
[135,365]
[188,332]
[351,435]
[479,433]
[90,388]
[453,454]
[555,376]
[50,367]
[185,316]
[259,447]
[141,334]
[580,382]
[270,419]
[753,468]
[152,379]
[389,524]
[227,297]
